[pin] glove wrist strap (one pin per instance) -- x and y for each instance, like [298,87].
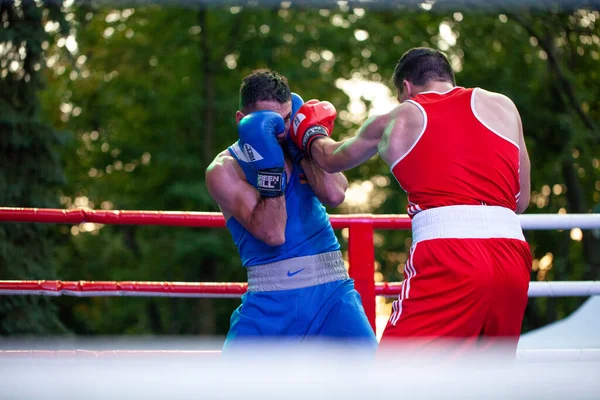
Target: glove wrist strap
[311,133]
[271,182]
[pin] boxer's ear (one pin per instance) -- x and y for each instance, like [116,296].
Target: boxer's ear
[407,88]
[238,116]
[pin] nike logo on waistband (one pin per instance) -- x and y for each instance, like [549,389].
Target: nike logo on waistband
[295,272]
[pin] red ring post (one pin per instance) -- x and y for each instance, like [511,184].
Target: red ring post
[361,257]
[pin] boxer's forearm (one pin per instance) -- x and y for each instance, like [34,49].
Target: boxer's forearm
[268,220]
[332,156]
[330,189]
[340,156]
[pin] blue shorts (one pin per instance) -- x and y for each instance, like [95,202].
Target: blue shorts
[330,311]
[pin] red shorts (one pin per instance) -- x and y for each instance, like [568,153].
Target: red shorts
[468,288]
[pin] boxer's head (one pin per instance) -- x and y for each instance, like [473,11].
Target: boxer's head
[419,67]
[264,89]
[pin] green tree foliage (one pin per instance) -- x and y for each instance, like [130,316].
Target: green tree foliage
[149,96]
[29,167]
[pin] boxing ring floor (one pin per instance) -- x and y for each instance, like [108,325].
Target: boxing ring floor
[322,372]
[191,368]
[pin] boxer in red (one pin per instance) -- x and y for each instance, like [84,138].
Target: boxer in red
[460,156]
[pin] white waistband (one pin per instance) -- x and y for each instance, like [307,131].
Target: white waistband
[296,273]
[466,222]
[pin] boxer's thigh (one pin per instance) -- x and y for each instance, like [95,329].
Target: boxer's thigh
[336,312]
[512,268]
[445,294]
[265,316]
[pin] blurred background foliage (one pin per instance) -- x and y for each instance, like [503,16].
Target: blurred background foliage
[109,107]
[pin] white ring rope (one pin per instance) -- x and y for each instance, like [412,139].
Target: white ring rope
[550,289]
[564,289]
[559,221]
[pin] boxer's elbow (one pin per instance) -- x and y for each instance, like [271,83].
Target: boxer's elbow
[272,236]
[275,240]
[335,198]
[333,193]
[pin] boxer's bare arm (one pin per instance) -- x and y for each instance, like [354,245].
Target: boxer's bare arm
[405,126]
[524,173]
[263,217]
[333,156]
[330,188]
[499,113]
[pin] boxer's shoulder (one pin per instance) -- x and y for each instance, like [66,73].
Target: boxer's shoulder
[224,166]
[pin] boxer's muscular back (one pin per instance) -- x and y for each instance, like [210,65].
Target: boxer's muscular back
[462,147]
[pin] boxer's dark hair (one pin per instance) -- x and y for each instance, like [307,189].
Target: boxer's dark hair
[422,65]
[263,85]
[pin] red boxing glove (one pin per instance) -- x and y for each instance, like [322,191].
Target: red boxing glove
[313,120]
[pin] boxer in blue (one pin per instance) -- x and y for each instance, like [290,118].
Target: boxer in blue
[272,198]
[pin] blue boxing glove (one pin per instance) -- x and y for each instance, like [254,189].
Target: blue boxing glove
[258,140]
[295,153]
